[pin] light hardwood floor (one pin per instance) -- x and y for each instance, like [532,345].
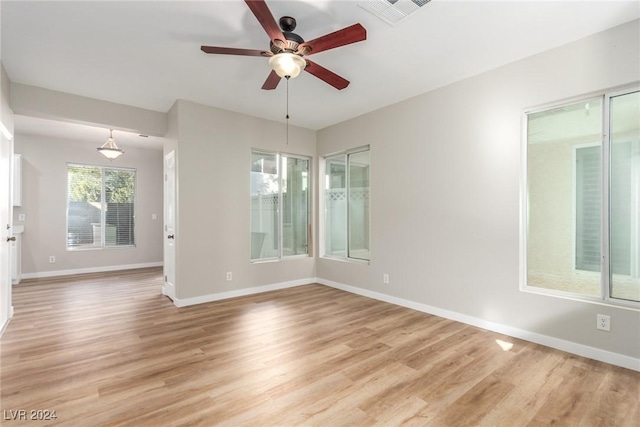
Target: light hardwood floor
[109,350]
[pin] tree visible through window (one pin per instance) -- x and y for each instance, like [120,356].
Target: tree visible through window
[100,206]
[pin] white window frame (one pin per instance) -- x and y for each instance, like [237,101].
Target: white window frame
[323,208]
[279,155]
[605,278]
[103,213]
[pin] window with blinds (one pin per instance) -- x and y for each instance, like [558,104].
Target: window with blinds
[100,207]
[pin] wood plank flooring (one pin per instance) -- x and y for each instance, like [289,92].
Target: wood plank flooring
[109,350]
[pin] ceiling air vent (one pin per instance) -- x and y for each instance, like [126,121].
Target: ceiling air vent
[392,11]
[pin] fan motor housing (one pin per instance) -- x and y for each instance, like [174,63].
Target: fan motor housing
[293,40]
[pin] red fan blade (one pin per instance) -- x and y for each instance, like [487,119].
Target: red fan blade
[266,19]
[232,51]
[345,36]
[272,81]
[325,75]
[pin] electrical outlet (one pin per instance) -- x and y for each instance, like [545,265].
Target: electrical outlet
[22,217]
[229,276]
[52,259]
[385,279]
[604,322]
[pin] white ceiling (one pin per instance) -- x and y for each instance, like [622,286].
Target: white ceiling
[147,53]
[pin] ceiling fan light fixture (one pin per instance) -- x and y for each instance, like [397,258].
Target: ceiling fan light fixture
[109,149]
[287,64]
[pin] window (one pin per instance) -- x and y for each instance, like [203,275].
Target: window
[279,205]
[624,196]
[582,204]
[100,207]
[346,205]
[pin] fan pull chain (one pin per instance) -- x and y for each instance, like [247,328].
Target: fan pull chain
[287,77]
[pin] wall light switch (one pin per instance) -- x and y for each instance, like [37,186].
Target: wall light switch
[22,217]
[154,216]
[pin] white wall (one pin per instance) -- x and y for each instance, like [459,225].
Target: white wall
[44,192]
[50,104]
[213,167]
[6,114]
[445,173]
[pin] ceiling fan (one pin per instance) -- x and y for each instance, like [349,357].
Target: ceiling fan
[287,48]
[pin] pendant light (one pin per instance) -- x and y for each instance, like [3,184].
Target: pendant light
[109,149]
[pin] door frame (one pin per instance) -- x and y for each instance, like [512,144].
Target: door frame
[169,228]
[6,224]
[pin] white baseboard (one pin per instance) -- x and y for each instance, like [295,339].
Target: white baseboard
[183,302]
[6,323]
[4,327]
[568,346]
[55,273]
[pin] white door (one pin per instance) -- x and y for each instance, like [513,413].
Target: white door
[6,162]
[169,288]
